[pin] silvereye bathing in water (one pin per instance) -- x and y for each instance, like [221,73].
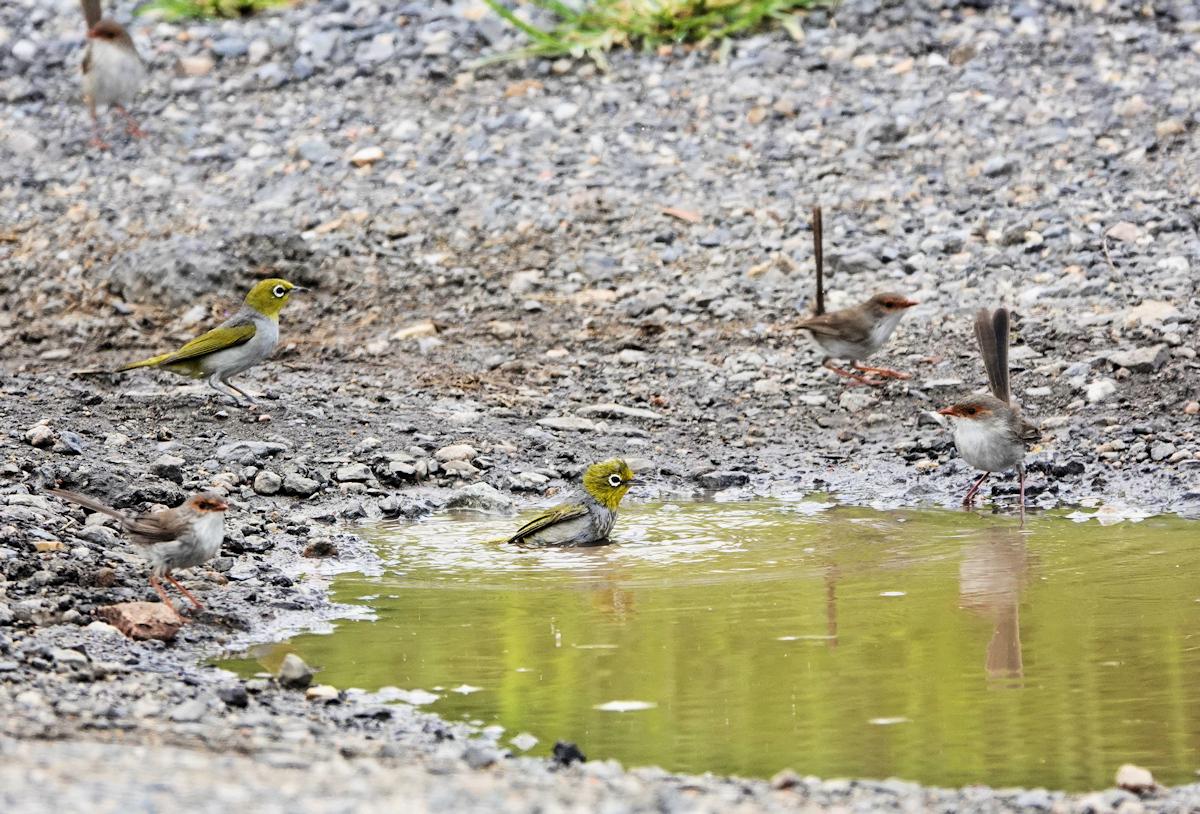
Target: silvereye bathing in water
[588,517]
[237,344]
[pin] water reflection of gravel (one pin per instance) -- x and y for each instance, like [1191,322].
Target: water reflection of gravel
[801,633]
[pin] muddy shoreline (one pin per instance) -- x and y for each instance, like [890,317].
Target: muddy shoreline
[268,590]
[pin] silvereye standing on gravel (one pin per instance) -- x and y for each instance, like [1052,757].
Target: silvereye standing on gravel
[588,517]
[237,344]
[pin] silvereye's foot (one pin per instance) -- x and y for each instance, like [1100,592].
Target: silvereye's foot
[250,400]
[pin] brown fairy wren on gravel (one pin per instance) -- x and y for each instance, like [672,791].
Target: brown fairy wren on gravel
[853,333]
[989,431]
[183,537]
[113,71]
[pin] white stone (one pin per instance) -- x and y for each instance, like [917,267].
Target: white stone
[418,329]
[855,401]
[321,692]
[1124,231]
[367,156]
[524,741]
[1135,778]
[353,473]
[456,452]
[1151,312]
[564,111]
[103,628]
[460,468]
[568,422]
[1100,390]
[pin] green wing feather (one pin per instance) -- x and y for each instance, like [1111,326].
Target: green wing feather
[548,518]
[226,336]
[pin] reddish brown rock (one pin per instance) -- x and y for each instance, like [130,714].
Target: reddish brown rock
[321,548]
[142,620]
[104,577]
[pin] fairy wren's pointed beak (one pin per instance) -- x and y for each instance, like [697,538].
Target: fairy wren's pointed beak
[948,411]
[909,303]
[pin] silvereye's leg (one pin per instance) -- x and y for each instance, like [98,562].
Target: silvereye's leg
[234,387]
[215,382]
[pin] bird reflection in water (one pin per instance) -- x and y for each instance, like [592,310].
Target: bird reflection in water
[831,617]
[604,585]
[992,574]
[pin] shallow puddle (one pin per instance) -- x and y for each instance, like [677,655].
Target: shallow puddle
[943,647]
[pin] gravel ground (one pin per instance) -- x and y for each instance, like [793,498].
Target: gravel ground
[499,298]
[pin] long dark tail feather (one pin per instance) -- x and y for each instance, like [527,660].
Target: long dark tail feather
[91,12]
[991,331]
[819,259]
[88,503]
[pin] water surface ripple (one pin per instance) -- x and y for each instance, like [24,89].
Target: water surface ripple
[943,647]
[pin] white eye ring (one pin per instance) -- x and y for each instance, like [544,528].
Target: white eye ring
[279,291]
[614,480]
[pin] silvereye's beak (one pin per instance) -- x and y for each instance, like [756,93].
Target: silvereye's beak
[299,288]
[634,482]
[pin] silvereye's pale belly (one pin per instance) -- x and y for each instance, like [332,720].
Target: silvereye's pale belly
[231,361]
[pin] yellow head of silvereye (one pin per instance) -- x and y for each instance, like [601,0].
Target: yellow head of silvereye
[588,517]
[241,342]
[269,296]
[608,481]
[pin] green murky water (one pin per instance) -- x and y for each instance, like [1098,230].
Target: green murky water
[942,647]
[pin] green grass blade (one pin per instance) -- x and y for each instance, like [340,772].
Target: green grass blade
[598,26]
